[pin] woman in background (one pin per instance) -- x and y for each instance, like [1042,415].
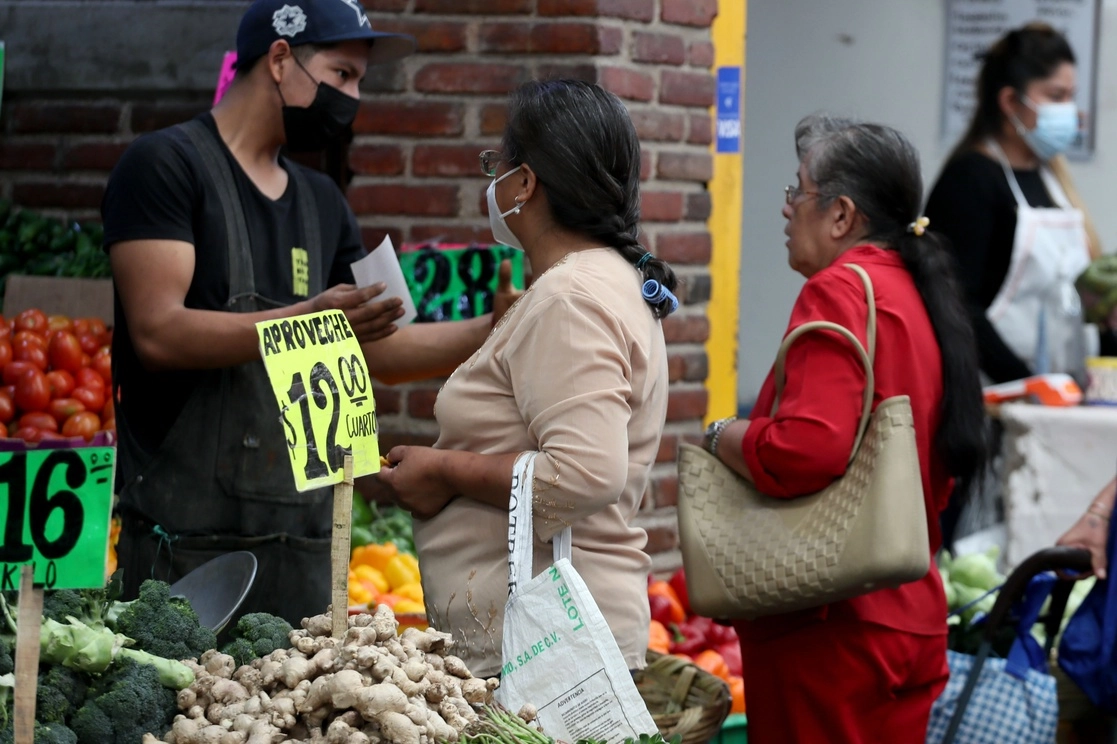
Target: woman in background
[1017,227]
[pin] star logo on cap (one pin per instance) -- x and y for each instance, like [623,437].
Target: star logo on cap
[289,20]
[362,19]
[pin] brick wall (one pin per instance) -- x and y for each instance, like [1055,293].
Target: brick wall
[414,160]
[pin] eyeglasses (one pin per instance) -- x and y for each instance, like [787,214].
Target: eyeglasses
[489,161]
[791,193]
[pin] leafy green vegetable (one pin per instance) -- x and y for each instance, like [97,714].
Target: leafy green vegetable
[977,570]
[33,244]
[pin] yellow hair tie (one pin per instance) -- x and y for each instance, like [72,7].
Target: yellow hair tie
[919,226]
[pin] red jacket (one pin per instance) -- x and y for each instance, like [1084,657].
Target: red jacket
[806,445]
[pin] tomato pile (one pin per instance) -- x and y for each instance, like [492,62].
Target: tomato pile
[57,377]
[675,629]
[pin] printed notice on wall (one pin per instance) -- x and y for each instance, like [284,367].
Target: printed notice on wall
[729,110]
[972,26]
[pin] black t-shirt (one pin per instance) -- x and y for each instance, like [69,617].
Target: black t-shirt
[973,205]
[160,191]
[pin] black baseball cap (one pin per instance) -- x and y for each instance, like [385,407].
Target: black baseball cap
[313,22]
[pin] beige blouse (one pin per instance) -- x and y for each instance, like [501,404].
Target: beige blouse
[576,370]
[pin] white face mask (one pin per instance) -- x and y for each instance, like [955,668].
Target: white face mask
[1055,131]
[501,233]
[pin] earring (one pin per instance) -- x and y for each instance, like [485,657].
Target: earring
[518,207]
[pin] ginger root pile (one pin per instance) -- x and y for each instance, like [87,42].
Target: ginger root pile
[370,687]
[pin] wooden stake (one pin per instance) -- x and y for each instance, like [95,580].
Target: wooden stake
[339,551]
[29,622]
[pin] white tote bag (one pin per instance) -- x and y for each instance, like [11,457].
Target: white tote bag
[559,654]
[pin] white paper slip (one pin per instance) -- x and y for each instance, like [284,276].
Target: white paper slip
[382,265]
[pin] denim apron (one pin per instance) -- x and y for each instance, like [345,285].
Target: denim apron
[221,480]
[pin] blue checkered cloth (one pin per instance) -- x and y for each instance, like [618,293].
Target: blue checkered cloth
[1003,708]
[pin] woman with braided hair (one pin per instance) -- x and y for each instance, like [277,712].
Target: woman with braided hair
[575,371]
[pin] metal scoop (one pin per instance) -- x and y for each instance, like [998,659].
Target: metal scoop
[217,588]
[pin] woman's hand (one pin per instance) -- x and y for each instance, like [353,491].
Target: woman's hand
[415,481]
[1092,529]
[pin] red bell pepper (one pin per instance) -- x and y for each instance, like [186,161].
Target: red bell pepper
[720,634]
[695,638]
[678,583]
[664,590]
[661,609]
[731,652]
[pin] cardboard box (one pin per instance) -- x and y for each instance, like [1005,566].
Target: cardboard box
[58,295]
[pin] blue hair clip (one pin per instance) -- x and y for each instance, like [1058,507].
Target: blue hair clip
[643,260]
[655,293]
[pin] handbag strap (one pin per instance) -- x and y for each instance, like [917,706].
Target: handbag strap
[867,357]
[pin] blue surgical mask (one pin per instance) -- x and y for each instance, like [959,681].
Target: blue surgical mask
[1055,131]
[501,232]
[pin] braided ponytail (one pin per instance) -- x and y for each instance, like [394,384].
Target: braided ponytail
[583,148]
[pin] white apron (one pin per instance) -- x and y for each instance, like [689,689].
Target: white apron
[1037,310]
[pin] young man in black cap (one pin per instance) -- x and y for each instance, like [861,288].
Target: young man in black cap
[210,230]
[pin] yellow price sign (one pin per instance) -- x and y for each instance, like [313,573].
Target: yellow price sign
[317,371]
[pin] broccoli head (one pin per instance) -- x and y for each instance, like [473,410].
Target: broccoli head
[63,603]
[257,634]
[123,705]
[61,692]
[7,658]
[163,626]
[45,733]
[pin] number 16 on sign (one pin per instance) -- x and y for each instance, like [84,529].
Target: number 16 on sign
[317,371]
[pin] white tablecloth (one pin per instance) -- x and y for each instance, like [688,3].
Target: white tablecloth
[1056,460]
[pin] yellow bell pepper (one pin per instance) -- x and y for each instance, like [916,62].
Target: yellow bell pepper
[402,569]
[411,591]
[371,578]
[359,594]
[373,555]
[409,607]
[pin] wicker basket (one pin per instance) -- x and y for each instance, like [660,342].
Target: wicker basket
[682,698]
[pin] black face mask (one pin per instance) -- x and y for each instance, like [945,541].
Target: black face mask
[327,117]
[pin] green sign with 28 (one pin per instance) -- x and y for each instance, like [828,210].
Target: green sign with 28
[457,283]
[56,510]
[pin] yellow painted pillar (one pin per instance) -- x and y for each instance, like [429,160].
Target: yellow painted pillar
[726,192]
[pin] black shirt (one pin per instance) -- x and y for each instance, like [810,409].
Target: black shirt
[972,204]
[159,191]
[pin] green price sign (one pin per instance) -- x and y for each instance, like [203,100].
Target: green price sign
[456,284]
[56,516]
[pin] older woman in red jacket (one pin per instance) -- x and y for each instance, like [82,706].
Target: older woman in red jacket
[865,669]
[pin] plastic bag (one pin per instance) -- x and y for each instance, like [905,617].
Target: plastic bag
[559,653]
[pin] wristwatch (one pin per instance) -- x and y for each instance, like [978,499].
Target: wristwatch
[713,433]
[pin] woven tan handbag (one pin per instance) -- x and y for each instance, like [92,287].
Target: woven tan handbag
[749,555]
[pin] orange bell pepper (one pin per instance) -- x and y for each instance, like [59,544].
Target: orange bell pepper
[669,611]
[376,556]
[712,662]
[659,638]
[737,692]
